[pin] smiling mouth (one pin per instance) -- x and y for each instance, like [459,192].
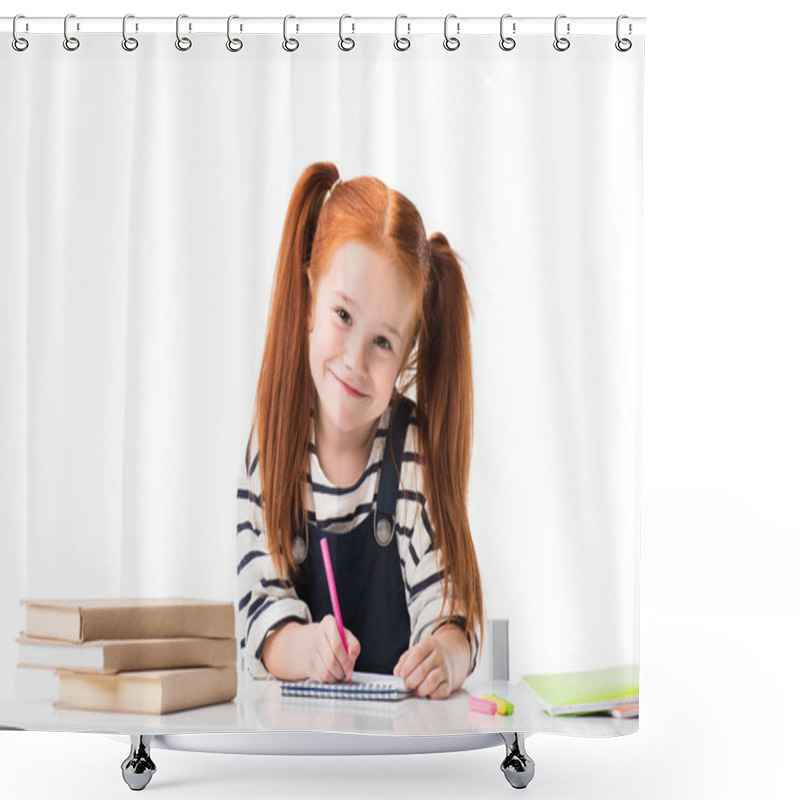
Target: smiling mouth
[349,389]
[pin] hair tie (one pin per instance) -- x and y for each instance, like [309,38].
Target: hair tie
[333,186]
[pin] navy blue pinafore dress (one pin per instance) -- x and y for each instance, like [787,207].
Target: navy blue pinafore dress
[366,566]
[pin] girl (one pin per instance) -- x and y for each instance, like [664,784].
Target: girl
[361,300]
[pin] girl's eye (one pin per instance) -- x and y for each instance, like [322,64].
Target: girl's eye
[343,315]
[383,343]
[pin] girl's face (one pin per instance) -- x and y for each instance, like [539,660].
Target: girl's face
[361,327]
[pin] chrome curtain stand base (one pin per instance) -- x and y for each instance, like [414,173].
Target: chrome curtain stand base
[138,768]
[518,766]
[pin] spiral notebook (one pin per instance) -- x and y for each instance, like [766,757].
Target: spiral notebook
[365,686]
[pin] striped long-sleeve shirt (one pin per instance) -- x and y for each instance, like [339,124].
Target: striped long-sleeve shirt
[265,603]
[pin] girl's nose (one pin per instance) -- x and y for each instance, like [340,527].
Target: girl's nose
[355,356]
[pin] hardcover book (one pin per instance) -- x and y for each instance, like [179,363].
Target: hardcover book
[118,655]
[148,692]
[89,620]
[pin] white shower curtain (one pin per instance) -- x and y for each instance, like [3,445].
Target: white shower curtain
[143,195]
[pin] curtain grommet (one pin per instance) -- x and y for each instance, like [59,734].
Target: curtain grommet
[70,43]
[183,43]
[19,43]
[233,45]
[506,42]
[451,43]
[289,44]
[401,43]
[129,43]
[561,43]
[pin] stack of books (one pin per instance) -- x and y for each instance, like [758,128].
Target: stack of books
[612,691]
[138,656]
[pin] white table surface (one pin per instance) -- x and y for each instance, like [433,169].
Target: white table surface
[259,707]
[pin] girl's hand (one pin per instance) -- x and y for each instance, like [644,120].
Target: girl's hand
[438,665]
[327,660]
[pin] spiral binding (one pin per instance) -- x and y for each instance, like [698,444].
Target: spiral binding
[451,42]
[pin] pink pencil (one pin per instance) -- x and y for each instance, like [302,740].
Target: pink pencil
[326,558]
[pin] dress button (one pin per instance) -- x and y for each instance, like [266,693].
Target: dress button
[299,549]
[383,532]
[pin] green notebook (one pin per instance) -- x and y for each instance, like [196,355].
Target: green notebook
[586,692]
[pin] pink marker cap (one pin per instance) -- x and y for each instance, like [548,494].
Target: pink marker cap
[482,706]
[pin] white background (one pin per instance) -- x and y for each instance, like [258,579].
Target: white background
[721,436]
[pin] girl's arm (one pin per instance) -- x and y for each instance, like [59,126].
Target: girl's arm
[315,651]
[277,636]
[264,603]
[438,665]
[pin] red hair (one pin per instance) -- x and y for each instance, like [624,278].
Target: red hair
[317,224]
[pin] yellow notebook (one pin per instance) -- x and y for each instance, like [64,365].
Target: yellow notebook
[586,692]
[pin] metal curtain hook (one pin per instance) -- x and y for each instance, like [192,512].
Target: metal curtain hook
[128,42]
[290,45]
[451,42]
[345,43]
[623,45]
[18,43]
[234,45]
[506,42]
[401,43]
[70,42]
[561,43]
[183,43]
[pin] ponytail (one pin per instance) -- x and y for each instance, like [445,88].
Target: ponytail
[285,391]
[445,410]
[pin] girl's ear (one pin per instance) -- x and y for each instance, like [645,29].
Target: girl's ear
[406,363]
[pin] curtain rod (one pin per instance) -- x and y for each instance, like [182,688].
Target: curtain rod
[462,26]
